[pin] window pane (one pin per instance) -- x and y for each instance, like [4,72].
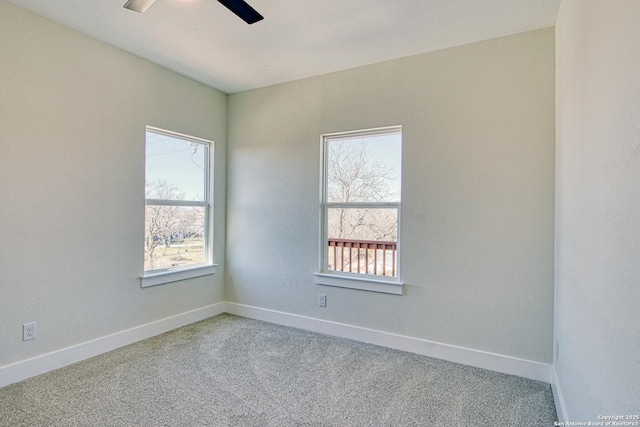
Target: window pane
[363,240]
[174,236]
[175,168]
[364,169]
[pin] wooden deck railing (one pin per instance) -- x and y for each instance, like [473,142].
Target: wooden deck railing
[363,256]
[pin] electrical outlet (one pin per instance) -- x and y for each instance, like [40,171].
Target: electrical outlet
[29,331]
[322,300]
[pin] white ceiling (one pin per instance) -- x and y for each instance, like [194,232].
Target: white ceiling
[298,38]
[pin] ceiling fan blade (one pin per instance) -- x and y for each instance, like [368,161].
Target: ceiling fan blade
[138,5]
[243,10]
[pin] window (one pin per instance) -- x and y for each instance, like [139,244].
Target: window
[177,235]
[361,199]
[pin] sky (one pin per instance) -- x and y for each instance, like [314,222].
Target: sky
[173,159]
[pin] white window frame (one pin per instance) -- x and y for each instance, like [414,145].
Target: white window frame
[361,281]
[167,275]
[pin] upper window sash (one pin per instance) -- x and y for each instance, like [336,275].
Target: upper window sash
[333,187]
[194,184]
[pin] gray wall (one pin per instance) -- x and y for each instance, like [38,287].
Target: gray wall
[477,220]
[72,119]
[598,207]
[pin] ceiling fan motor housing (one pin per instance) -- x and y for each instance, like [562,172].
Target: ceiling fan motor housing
[139,5]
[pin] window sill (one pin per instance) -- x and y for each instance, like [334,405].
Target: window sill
[160,277]
[361,282]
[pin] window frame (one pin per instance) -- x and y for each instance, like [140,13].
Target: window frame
[173,274]
[361,281]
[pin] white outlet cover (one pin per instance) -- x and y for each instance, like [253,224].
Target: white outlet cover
[29,331]
[322,300]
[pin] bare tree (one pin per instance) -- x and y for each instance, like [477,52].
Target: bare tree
[353,176]
[165,224]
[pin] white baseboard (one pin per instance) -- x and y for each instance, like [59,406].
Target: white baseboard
[558,399]
[28,368]
[466,356]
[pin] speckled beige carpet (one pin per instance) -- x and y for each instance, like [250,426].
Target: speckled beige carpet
[232,371]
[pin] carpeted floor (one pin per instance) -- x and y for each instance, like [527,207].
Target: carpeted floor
[232,371]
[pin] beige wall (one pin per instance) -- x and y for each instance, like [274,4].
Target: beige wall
[477,235]
[478,205]
[598,207]
[72,119]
